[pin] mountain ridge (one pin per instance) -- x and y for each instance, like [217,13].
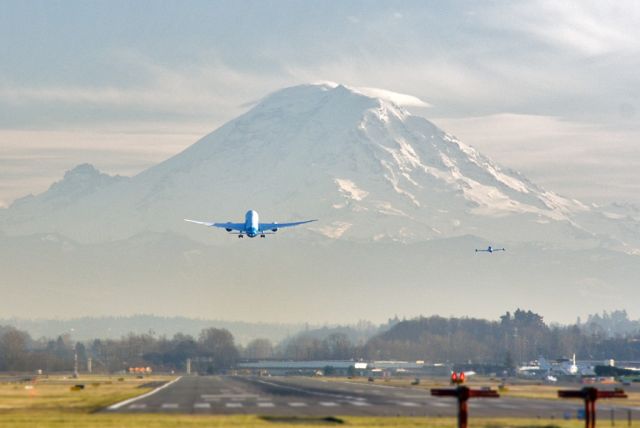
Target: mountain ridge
[364,165]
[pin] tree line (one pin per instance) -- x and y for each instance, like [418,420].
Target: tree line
[515,338]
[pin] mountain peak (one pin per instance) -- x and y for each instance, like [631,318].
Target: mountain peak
[84,177]
[397,98]
[360,161]
[82,172]
[78,182]
[310,92]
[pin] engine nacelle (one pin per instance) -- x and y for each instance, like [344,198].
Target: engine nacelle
[228,230]
[275,229]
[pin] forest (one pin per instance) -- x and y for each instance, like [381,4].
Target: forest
[513,339]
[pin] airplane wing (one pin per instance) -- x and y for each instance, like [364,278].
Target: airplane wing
[233,226]
[271,226]
[240,227]
[199,222]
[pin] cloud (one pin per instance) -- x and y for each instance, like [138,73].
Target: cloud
[395,97]
[583,27]
[197,90]
[588,161]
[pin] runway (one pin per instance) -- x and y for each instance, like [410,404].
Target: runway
[295,396]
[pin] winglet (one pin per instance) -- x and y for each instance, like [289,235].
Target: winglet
[198,222]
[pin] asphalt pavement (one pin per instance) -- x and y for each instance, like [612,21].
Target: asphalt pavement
[297,396]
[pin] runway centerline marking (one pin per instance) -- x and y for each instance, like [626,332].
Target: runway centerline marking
[238,396]
[202,406]
[233,405]
[410,396]
[328,403]
[170,406]
[506,406]
[297,404]
[265,404]
[310,392]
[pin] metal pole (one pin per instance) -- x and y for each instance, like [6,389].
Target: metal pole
[75,361]
[463,412]
[590,395]
[462,394]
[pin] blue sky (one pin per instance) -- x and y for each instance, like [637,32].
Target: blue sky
[549,88]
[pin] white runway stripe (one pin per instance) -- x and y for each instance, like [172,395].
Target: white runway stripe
[234,405]
[202,406]
[265,404]
[139,397]
[506,406]
[137,406]
[297,404]
[328,403]
[170,406]
[360,403]
[408,404]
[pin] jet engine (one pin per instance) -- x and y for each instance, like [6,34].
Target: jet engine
[228,230]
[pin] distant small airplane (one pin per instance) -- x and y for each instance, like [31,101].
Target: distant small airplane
[490,249]
[251,226]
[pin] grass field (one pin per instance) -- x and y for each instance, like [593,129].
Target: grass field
[76,420]
[50,402]
[54,393]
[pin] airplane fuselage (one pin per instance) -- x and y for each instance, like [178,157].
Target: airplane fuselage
[252,223]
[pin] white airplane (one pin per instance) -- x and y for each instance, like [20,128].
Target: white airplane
[490,249]
[567,367]
[251,226]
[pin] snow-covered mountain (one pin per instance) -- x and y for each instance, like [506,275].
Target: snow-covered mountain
[362,164]
[401,205]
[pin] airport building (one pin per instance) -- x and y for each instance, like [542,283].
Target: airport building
[345,368]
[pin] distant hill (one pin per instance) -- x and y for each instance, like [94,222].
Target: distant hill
[86,328]
[515,338]
[357,334]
